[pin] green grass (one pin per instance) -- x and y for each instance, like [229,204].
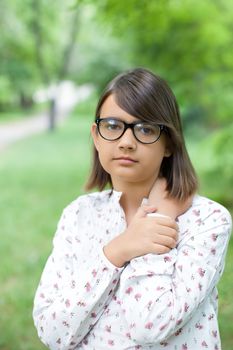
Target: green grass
[38,178]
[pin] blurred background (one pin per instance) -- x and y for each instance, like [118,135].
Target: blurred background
[55,58]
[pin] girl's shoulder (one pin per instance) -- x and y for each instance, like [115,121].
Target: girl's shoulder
[204,204]
[205,211]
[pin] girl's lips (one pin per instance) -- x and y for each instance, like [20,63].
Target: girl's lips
[126,160]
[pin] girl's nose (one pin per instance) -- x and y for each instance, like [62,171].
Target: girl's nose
[128,140]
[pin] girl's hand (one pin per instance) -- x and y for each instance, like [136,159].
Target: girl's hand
[167,205]
[144,235]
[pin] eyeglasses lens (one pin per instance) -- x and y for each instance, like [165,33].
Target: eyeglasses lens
[113,129]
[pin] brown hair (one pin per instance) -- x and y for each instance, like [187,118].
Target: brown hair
[146,96]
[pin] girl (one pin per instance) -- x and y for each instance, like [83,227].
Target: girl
[123,273]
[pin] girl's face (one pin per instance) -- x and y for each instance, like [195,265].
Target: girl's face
[126,159]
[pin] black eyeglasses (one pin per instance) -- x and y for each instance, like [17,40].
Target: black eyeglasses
[112,129]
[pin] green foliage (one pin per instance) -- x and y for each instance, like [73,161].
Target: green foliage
[188,42]
[213,158]
[36,41]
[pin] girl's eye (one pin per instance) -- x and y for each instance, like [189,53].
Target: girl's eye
[147,130]
[113,126]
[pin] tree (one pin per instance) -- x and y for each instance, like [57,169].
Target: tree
[38,40]
[188,42]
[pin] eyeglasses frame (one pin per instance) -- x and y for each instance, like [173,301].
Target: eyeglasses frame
[128,126]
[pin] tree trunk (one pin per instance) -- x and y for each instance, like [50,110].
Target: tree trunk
[52,114]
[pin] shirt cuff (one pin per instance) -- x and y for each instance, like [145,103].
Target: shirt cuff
[154,264]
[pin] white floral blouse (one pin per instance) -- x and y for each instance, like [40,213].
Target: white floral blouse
[155,302]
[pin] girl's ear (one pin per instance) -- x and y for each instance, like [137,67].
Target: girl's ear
[167,152]
[94,134]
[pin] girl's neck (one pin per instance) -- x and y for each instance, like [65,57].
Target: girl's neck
[131,198]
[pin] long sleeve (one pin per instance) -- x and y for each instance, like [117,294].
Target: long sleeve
[76,285]
[159,294]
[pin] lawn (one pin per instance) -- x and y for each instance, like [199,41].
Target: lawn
[38,178]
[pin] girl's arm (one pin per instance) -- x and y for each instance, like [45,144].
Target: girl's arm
[161,293]
[76,285]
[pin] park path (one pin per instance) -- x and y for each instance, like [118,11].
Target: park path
[66,99]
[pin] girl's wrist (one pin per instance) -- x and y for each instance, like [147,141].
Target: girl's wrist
[114,252]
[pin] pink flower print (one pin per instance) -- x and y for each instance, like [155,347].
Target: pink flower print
[186,307]
[167,258]
[108,328]
[213,251]
[149,305]
[214,237]
[94,273]
[178,332]
[59,275]
[180,267]
[81,303]
[77,239]
[184,346]
[150,274]
[201,272]
[66,324]
[128,335]
[211,316]
[217,211]
[164,343]
[138,347]
[159,288]
[69,239]
[88,287]
[214,334]
[200,222]
[54,315]
[137,296]
[216,347]
[55,286]
[149,325]
[198,326]
[111,342]
[178,322]
[129,290]
[204,344]
[58,341]
[200,286]
[196,212]
[163,327]
[224,219]
[93,315]
[73,283]
[42,296]
[185,252]
[67,303]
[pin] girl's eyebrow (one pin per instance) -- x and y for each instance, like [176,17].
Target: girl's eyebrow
[119,118]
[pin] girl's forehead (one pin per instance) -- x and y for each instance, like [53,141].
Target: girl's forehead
[111,109]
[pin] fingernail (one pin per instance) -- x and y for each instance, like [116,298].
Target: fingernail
[144,201]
